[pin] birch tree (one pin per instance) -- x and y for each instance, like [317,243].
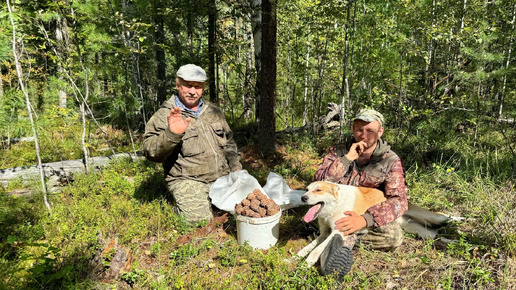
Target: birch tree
[19,72]
[62,43]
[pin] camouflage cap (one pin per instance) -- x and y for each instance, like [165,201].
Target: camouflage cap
[370,115]
[192,73]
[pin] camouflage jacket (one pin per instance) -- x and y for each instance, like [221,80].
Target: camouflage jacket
[204,152]
[384,171]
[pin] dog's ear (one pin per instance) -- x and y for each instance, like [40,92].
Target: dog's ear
[334,190]
[367,197]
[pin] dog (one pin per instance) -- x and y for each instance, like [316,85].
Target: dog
[329,201]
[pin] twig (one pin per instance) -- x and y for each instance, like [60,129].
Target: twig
[506,139]
[421,274]
[452,108]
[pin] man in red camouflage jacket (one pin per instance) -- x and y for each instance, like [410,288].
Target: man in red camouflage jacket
[365,161]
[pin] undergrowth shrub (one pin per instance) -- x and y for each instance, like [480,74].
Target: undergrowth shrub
[463,173]
[19,223]
[93,208]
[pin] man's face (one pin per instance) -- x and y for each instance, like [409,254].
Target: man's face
[189,92]
[369,132]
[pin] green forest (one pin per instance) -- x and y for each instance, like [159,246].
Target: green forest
[79,80]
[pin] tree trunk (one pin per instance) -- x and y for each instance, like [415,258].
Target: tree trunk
[267,110]
[159,36]
[256,24]
[400,93]
[248,96]
[62,43]
[428,72]
[29,110]
[83,136]
[305,92]
[463,15]
[316,106]
[290,92]
[83,102]
[351,69]
[190,29]
[344,90]
[212,41]
[83,105]
[507,63]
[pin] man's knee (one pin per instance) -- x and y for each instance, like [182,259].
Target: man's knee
[191,200]
[386,238]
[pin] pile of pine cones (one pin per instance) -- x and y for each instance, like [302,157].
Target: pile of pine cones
[257,205]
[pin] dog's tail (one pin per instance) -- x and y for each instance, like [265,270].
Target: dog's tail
[425,217]
[422,222]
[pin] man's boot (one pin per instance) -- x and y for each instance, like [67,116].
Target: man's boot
[337,258]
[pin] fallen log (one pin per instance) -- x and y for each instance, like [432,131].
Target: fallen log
[509,121]
[329,122]
[62,169]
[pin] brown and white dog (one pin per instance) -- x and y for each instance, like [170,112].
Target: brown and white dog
[330,200]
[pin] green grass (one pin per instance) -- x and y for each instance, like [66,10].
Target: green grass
[128,202]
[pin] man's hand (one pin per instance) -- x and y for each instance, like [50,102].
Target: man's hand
[350,224]
[175,121]
[356,150]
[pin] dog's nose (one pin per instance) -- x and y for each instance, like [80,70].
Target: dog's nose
[304,198]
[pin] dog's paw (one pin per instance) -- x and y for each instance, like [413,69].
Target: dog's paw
[309,262]
[456,219]
[293,259]
[445,241]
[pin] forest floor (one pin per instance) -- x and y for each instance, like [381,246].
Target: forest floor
[415,264]
[115,230]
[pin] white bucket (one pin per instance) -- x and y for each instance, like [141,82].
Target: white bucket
[260,233]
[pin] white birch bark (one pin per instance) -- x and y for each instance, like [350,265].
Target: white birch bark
[62,40]
[305,93]
[463,15]
[507,63]
[247,97]
[430,48]
[29,111]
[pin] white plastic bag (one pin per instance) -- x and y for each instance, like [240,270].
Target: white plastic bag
[231,189]
[277,189]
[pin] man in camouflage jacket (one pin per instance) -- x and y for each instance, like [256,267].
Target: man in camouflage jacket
[193,141]
[365,161]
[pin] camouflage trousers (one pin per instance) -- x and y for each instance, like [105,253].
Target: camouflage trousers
[385,238]
[191,199]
